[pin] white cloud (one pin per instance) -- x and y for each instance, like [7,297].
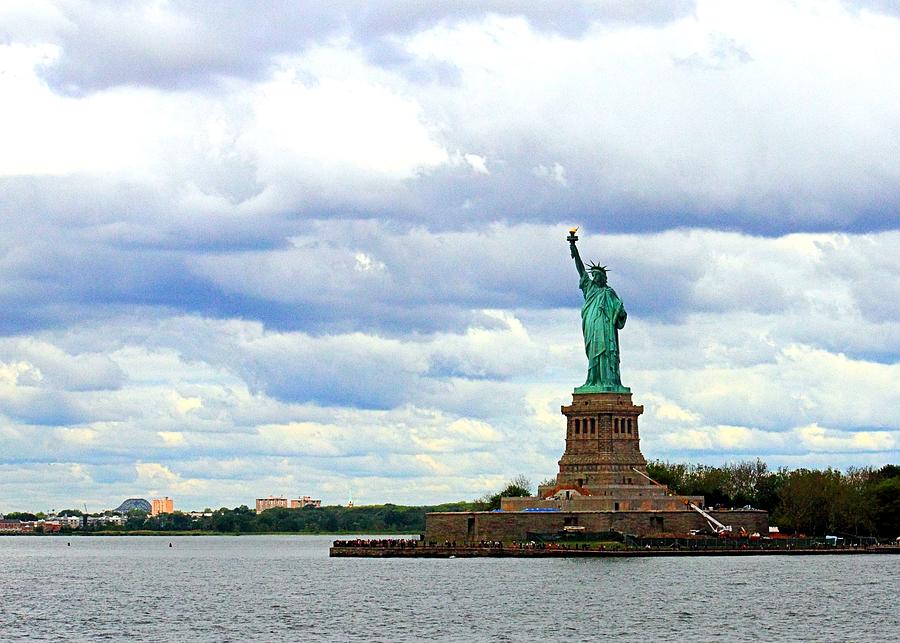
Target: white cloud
[172,438]
[555,174]
[714,112]
[477,163]
[114,134]
[365,263]
[817,438]
[11,374]
[161,480]
[45,364]
[337,126]
[80,436]
[185,405]
[667,411]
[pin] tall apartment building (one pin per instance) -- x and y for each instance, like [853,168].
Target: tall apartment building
[270,503]
[162,506]
[305,501]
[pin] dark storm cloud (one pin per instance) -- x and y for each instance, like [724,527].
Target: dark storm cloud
[190,42]
[364,276]
[43,408]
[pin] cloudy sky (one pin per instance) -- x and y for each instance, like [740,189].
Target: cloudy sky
[315,248]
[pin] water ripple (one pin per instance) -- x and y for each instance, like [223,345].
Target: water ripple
[286,588]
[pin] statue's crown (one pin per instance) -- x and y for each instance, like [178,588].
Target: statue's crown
[597,266]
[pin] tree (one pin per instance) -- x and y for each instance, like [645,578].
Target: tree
[814,502]
[135,520]
[70,512]
[885,500]
[854,511]
[21,515]
[518,487]
[522,483]
[887,471]
[769,488]
[672,475]
[743,481]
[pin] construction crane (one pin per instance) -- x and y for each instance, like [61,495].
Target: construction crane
[714,524]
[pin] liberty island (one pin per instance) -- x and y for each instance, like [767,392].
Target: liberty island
[602,494]
[602,485]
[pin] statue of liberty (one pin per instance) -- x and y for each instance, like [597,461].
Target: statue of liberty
[602,316]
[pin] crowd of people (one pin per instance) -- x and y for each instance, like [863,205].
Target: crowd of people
[400,543]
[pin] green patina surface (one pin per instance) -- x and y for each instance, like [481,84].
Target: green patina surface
[613,388]
[602,317]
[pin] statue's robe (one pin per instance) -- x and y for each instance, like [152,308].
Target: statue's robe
[602,315]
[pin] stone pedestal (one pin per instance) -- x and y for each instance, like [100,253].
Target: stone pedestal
[602,443]
[601,487]
[602,466]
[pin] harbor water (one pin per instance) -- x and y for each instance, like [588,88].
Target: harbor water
[227,588]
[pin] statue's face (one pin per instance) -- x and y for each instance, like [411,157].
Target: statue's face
[599,276]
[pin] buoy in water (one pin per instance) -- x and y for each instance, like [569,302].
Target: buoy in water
[170,544]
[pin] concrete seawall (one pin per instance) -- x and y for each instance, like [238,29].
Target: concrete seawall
[506,526]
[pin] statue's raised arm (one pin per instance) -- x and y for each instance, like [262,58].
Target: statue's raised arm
[602,316]
[574,250]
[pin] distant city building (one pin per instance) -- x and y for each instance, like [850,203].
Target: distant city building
[49,526]
[107,520]
[274,502]
[73,522]
[162,506]
[132,504]
[305,501]
[15,526]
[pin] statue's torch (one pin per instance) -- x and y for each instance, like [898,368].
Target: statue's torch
[572,238]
